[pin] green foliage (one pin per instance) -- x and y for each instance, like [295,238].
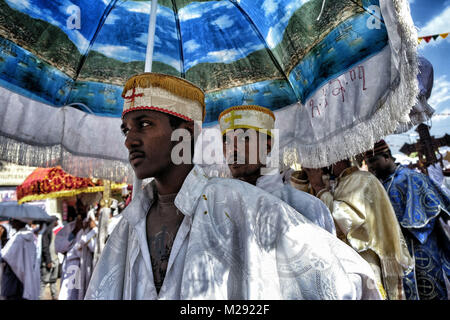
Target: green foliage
[39,37]
[257,66]
[304,31]
[99,67]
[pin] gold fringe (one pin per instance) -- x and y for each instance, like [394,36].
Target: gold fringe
[178,86]
[262,130]
[67,193]
[247,107]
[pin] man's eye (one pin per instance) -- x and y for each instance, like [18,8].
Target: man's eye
[146,123]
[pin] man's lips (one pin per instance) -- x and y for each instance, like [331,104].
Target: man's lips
[136,155]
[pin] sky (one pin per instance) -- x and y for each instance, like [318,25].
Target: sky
[432,17]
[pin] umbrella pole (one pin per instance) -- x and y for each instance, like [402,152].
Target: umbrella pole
[137,183]
[151,36]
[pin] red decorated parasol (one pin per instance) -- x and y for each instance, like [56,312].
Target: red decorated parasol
[44,183]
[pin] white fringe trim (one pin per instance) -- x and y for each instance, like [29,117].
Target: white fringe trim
[393,111]
[22,153]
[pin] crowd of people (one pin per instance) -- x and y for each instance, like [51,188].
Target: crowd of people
[339,232]
[35,254]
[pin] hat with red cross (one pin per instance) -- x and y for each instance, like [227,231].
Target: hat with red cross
[164,93]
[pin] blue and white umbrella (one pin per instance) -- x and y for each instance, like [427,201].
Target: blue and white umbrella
[23,212]
[334,72]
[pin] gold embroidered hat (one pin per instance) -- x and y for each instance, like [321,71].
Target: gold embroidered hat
[164,93]
[380,147]
[247,117]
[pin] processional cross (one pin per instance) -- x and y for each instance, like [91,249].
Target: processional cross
[426,147]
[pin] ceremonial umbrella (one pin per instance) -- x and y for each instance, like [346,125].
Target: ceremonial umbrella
[45,183]
[23,212]
[339,75]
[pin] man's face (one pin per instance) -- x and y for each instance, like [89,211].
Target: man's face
[148,140]
[379,165]
[242,152]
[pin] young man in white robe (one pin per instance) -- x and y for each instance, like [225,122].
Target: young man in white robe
[21,259]
[77,241]
[248,133]
[187,236]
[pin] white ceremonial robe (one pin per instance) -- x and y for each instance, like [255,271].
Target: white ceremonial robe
[235,242]
[113,223]
[65,243]
[306,204]
[102,234]
[20,254]
[85,248]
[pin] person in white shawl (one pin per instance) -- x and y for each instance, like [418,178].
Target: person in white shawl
[220,238]
[77,241]
[4,235]
[20,256]
[248,134]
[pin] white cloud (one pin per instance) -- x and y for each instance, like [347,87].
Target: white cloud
[223,56]
[120,52]
[269,6]
[20,4]
[167,60]
[441,116]
[111,50]
[274,34]
[143,38]
[257,47]
[112,18]
[192,11]
[81,42]
[223,22]
[273,37]
[191,46]
[440,92]
[222,4]
[138,7]
[166,12]
[439,24]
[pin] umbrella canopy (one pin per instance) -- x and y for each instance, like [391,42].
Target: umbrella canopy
[23,212]
[333,72]
[45,183]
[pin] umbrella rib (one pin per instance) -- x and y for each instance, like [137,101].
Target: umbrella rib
[100,25]
[271,55]
[177,22]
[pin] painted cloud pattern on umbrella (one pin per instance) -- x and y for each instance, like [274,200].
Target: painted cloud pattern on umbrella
[267,52]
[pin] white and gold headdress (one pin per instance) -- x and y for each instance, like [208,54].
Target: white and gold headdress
[247,117]
[164,93]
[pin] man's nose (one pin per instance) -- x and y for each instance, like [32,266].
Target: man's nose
[132,140]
